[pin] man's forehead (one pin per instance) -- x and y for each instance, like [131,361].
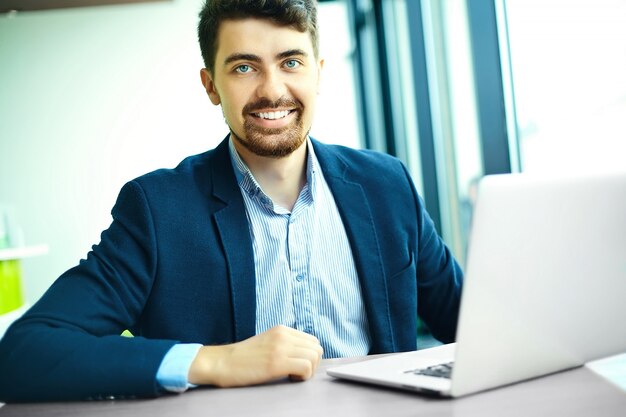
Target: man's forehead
[260,36]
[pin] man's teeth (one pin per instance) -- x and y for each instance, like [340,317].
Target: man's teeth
[273,115]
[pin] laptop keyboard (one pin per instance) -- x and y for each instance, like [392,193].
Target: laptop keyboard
[443,370]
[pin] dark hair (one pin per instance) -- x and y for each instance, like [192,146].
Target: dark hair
[300,14]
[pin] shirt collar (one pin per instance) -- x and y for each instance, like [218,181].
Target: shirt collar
[249,184]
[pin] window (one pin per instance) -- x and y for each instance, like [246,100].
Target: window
[415,59]
[568,60]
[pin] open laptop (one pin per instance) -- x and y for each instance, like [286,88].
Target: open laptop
[544,289]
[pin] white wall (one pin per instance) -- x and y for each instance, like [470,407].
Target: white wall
[93,97]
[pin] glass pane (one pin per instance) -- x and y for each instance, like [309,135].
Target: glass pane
[336,120]
[568,62]
[454,114]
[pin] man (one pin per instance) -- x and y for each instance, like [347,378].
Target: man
[249,262]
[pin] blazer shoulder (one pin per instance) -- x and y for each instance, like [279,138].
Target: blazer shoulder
[357,159]
[187,169]
[363,165]
[199,171]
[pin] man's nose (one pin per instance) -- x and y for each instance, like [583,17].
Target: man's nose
[271,86]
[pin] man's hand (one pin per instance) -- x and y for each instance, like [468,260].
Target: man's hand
[276,353]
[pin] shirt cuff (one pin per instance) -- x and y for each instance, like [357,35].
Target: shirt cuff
[172,374]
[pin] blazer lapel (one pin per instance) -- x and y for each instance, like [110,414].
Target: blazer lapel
[232,226]
[355,212]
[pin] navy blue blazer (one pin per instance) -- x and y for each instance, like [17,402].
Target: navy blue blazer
[176,265]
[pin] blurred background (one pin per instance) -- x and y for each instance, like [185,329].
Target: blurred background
[96,94]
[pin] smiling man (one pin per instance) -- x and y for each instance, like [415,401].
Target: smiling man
[267,90]
[247,263]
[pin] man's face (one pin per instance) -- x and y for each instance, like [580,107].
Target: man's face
[266,79]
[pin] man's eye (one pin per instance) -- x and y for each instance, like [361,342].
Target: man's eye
[292,64]
[242,69]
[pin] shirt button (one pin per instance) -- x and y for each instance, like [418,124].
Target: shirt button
[299,277]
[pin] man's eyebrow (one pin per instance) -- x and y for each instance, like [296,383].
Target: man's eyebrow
[291,52]
[241,57]
[255,58]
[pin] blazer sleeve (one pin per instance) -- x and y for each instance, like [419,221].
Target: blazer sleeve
[439,278]
[68,345]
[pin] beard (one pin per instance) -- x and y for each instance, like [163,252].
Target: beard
[270,142]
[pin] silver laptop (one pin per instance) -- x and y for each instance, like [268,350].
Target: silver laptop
[544,290]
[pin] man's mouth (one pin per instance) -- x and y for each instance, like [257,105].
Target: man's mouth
[273,115]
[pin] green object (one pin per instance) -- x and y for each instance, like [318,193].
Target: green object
[11,297]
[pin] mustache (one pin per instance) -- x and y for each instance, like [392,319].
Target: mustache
[264,104]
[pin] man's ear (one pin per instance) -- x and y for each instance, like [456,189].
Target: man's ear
[209,86]
[320,67]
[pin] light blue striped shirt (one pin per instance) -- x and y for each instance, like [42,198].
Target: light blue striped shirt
[304,270]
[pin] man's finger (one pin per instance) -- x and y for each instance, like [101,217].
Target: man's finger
[300,369]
